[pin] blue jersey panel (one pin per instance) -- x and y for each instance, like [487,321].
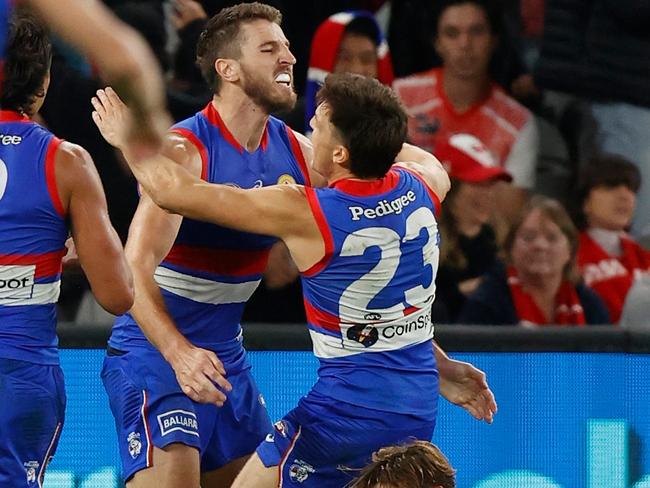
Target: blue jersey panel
[211,272]
[33,233]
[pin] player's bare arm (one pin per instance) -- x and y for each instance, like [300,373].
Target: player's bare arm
[427,166]
[151,236]
[123,58]
[466,386]
[97,244]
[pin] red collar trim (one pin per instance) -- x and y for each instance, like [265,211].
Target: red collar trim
[361,188]
[12,116]
[215,119]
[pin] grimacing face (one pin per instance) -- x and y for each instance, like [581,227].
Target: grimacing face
[266,66]
[540,247]
[465,41]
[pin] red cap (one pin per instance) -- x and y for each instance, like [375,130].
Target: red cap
[467,159]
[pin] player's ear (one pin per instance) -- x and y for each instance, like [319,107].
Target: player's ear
[227,69]
[340,155]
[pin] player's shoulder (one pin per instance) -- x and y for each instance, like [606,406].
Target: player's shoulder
[70,155]
[417,80]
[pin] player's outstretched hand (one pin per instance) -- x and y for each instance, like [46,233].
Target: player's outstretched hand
[201,375]
[111,117]
[464,385]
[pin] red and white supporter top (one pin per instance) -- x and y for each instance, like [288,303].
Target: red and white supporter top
[504,126]
[612,276]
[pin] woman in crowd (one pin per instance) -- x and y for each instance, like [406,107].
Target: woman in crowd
[468,245]
[609,259]
[538,285]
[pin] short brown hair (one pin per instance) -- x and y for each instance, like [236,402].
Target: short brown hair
[221,36]
[419,464]
[556,213]
[370,119]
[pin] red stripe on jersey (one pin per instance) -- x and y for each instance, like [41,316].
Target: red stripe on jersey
[362,188]
[410,310]
[47,264]
[190,136]
[300,157]
[328,240]
[219,261]
[50,175]
[12,116]
[210,113]
[321,318]
[432,195]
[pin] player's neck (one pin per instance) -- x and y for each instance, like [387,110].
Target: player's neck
[244,119]
[462,93]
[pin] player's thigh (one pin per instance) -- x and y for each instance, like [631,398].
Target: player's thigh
[256,475]
[174,466]
[32,405]
[224,476]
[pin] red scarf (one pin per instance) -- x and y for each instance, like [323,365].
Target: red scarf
[568,310]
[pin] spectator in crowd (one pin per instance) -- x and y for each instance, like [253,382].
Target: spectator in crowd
[347,42]
[539,285]
[636,311]
[609,259]
[419,464]
[461,97]
[468,246]
[597,51]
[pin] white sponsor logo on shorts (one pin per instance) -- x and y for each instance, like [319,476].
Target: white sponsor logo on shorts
[178,420]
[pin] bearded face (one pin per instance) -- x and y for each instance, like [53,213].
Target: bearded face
[272,91]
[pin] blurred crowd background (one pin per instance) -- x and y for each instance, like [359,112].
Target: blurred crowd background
[539,110]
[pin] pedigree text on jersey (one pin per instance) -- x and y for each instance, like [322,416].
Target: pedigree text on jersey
[384,207]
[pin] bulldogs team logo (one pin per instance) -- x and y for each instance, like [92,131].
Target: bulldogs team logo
[299,471]
[31,468]
[281,427]
[135,444]
[366,335]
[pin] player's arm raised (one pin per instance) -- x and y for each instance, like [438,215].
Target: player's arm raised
[123,58]
[97,244]
[427,166]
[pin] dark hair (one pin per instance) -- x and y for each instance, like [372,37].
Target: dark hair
[221,36]
[365,27]
[556,213]
[608,170]
[491,9]
[416,465]
[370,119]
[28,60]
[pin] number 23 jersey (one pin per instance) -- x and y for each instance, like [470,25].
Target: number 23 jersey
[368,301]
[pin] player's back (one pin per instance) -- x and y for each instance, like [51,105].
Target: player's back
[368,302]
[34,230]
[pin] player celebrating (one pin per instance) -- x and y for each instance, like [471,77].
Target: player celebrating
[367,251]
[47,188]
[167,362]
